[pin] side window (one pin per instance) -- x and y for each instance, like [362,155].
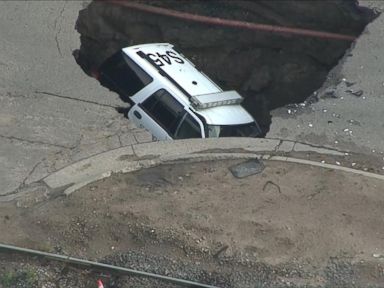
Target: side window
[189,128]
[127,77]
[164,109]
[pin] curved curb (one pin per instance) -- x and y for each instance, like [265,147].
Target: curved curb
[145,155]
[327,166]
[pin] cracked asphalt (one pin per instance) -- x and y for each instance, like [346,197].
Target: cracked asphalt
[51,113]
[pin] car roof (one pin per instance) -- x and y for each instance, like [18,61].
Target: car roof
[186,75]
[193,81]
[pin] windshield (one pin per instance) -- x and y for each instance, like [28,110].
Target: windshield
[245,130]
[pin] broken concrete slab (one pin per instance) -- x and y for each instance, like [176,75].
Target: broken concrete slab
[248,168]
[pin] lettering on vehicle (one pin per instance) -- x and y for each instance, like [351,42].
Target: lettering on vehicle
[168,58]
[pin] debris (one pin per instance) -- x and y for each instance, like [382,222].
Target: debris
[349,84]
[100,284]
[250,167]
[353,164]
[354,122]
[337,163]
[310,125]
[347,131]
[291,111]
[271,183]
[221,250]
[377,255]
[330,93]
[357,93]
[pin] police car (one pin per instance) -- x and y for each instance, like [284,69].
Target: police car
[171,98]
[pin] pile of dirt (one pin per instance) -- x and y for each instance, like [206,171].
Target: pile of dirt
[271,70]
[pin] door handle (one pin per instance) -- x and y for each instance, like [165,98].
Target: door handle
[137,114]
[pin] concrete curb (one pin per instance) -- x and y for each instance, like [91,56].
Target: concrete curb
[327,166]
[145,155]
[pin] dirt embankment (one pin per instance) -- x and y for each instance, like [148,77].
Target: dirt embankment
[196,221]
[270,70]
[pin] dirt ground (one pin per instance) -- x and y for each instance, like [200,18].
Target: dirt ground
[196,221]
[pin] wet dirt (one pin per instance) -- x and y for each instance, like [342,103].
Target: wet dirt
[269,70]
[196,221]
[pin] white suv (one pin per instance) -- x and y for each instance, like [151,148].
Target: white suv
[171,98]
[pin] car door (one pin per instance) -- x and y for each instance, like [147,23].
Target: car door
[189,127]
[160,114]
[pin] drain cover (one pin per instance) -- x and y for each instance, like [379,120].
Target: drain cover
[250,167]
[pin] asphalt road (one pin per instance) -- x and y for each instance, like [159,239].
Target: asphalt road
[51,113]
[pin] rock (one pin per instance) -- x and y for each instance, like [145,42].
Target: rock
[250,167]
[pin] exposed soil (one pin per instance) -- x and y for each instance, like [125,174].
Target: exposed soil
[270,70]
[196,221]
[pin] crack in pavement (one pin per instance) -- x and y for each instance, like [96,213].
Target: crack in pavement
[278,145]
[59,30]
[74,99]
[22,190]
[294,145]
[34,142]
[31,172]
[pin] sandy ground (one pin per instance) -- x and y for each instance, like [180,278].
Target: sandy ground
[191,211]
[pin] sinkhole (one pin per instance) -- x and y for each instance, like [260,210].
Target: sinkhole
[268,69]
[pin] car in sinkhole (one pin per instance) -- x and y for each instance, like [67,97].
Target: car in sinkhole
[171,98]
